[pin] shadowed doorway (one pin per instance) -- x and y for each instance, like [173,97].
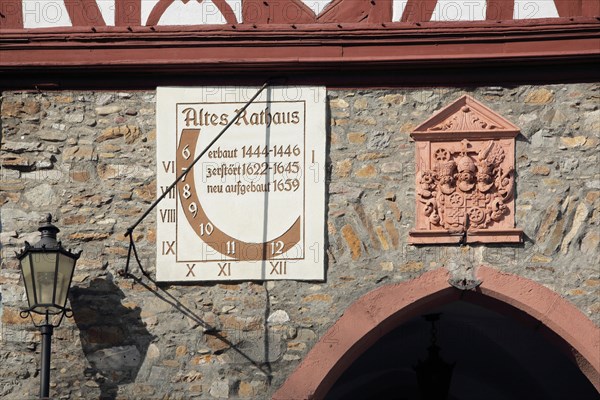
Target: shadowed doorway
[497,358]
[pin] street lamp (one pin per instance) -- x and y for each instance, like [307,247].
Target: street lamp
[47,270]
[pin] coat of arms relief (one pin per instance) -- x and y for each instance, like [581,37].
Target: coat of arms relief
[465,176]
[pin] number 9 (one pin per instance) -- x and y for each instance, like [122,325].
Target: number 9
[193,209]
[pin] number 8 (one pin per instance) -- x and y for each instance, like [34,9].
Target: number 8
[186,191]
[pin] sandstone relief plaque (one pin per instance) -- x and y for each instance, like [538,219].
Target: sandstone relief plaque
[253,207]
[465,177]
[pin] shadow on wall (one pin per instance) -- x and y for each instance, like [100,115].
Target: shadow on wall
[113,337]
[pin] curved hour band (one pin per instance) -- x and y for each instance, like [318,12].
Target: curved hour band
[209,232]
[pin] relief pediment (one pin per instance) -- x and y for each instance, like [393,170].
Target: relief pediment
[466,116]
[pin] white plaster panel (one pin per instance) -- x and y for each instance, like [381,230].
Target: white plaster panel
[530,9]
[45,14]
[107,9]
[147,6]
[192,13]
[398,7]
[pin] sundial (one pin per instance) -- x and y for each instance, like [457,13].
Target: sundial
[253,206]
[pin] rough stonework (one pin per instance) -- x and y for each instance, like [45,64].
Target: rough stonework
[88,157]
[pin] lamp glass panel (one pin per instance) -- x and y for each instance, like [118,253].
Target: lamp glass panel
[44,266]
[28,279]
[66,265]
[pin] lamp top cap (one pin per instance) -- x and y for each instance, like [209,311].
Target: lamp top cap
[47,228]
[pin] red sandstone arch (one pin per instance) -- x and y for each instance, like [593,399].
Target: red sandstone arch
[383,309]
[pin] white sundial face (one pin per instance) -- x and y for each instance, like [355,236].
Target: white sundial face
[253,206]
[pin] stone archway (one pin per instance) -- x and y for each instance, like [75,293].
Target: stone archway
[379,311]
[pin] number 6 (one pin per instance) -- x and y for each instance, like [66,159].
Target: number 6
[186,152]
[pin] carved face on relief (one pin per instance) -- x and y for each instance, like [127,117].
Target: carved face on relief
[466,173]
[446,170]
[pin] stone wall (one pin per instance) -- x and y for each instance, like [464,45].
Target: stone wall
[89,159]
